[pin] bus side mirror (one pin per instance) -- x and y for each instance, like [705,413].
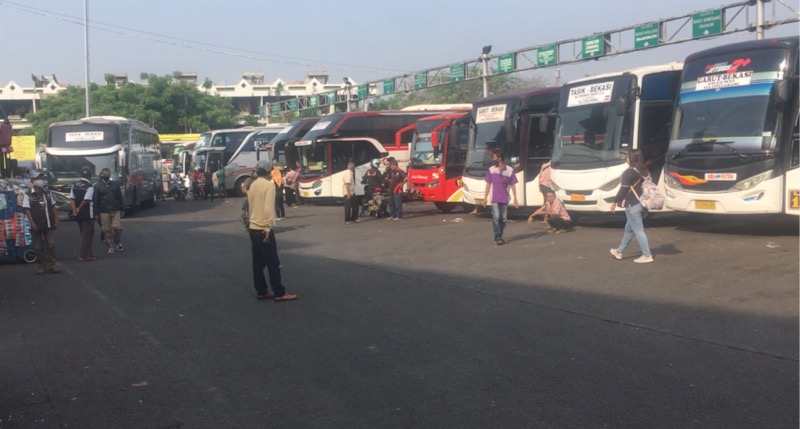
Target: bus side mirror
[121,158]
[781,90]
[544,124]
[435,140]
[622,105]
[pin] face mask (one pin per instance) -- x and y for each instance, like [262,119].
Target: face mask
[106,178]
[39,183]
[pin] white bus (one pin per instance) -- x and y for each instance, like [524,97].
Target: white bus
[241,164]
[600,119]
[129,148]
[324,166]
[734,145]
[520,123]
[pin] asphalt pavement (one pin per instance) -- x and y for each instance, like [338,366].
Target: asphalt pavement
[423,323]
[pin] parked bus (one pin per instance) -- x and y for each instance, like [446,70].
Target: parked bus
[241,164]
[734,145]
[282,146]
[322,157]
[521,124]
[129,148]
[600,119]
[438,157]
[229,139]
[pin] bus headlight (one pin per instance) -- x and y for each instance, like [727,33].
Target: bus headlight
[753,181]
[611,185]
[433,184]
[671,182]
[317,184]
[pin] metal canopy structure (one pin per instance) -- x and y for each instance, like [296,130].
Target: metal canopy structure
[727,19]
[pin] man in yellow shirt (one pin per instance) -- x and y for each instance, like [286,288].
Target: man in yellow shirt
[261,202]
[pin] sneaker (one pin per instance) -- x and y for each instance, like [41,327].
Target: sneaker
[499,241]
[616,254]
[110,251]
[643,259]
[120,248]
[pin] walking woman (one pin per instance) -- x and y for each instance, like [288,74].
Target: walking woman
[627,197]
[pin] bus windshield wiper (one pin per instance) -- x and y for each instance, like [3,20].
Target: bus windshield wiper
[714,142]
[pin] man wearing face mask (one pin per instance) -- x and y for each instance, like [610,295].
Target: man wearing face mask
[81,201]
[110,209]
[40,208]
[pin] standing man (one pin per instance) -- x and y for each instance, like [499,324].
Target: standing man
[209,176]
[81,201]
[349,190]
[398,178]
[499,178]
[40,208]
[110,209]
[221,182]
[264,248]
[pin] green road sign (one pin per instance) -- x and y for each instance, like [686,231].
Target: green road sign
[293,105]
[593,46]
[362,91]
[331,97]
[707,23]
[457,73]
[420,80]
[506,63]
[262,111]
[275,109]
[388,86]
[313,101]
[546,56]
[646,36]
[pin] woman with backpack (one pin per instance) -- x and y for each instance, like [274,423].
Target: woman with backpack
[628,198]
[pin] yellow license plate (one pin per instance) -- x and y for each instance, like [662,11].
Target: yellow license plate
[705,205]
[577,197]
[479,202]
[306,194]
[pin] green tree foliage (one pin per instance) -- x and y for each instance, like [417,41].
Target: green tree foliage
[164,103]
[462,92]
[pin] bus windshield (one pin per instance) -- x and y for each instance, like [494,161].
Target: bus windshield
[68,167]
[422,152]
[589,133]
[313,159]
[728,99]
[488,130]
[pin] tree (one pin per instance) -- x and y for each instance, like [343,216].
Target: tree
[168,105]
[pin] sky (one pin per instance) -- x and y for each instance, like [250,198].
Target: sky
[362,39]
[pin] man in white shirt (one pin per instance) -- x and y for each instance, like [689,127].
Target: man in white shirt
[351,202]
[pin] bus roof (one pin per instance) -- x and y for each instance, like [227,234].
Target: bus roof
[788,42]
[638,71]
[444,117]
[103,120]
[458,106]
[520,94]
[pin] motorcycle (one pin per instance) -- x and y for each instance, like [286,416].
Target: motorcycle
[179,192]
[378,204]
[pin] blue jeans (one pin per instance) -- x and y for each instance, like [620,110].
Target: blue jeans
[499,215]
[634,226]
[397,206]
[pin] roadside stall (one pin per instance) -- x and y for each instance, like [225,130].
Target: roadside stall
[15,231]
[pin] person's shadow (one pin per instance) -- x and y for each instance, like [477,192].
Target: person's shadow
[533,235]
[666,249]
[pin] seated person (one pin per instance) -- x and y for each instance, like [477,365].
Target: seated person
[554,213]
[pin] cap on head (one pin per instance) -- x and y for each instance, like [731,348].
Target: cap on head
[86,173]
[263,167]
[39,175]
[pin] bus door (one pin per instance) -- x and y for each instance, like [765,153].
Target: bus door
[539,135]
[358,151]
[456,149]
[792,177]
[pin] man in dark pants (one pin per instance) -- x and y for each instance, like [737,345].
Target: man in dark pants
[81,202]
[40,208]
[261,203]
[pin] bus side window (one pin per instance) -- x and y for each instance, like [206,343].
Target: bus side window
[341,154]
[795,154]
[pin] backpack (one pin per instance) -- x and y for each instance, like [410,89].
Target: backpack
[650,199]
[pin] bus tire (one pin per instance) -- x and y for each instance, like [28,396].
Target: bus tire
[444,207]
[237,187]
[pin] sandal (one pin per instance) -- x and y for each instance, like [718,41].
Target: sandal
[41,270]
[285,297]
[55,270]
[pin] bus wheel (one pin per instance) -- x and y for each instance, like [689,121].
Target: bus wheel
[29,256]
[445,207]
[237,187]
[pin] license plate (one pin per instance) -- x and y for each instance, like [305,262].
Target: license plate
[705,205]
[479,202]
[577,197]
[306,194]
